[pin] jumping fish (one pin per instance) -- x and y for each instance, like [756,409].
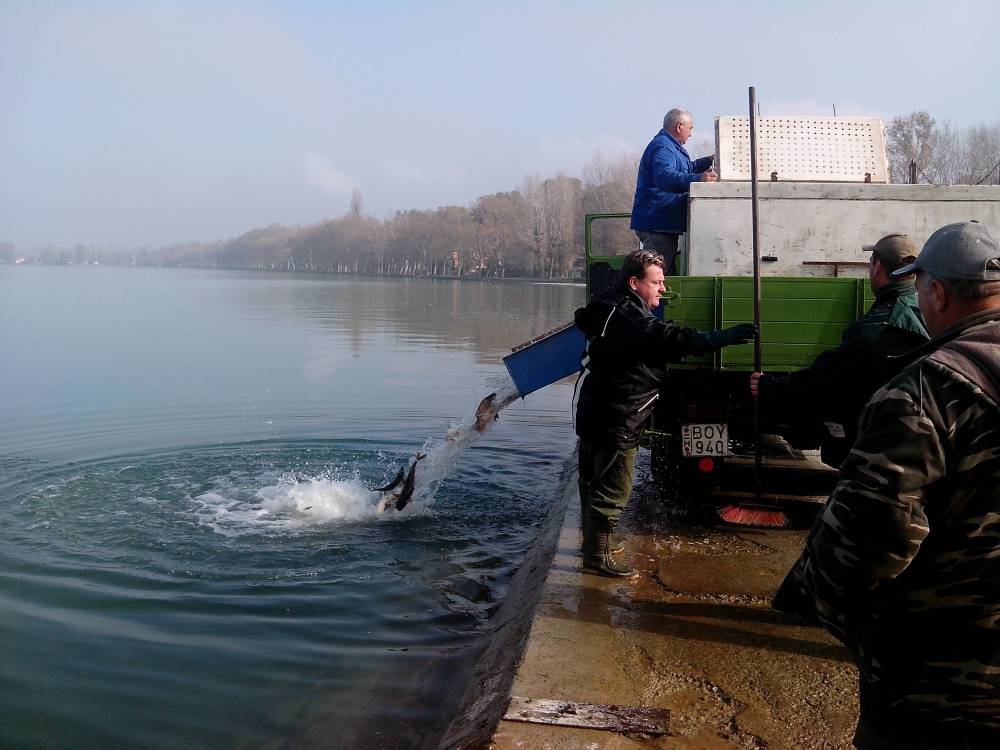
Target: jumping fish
[397,480]
[485,412]
[401,498]
[408,486]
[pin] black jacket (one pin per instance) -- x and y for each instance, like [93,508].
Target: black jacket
[625,360]
[833,390]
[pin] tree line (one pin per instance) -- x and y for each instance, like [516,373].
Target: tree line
[940,153]
[534,231]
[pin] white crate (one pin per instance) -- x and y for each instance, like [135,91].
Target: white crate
[807,149]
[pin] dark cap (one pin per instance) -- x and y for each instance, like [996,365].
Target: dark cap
[965,250]
[894,248]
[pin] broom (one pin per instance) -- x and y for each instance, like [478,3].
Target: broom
[757,513]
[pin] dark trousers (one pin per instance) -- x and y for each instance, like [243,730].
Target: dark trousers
[605,481]
[664,244]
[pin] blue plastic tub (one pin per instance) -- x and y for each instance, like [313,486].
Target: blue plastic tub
[546,359]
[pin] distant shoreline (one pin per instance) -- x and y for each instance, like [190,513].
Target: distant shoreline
[556,280]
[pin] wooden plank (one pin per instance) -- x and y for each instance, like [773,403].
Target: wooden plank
[652,721]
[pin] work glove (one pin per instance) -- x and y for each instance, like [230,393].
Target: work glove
[741,333]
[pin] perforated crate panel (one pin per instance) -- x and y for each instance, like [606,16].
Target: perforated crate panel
[808,149]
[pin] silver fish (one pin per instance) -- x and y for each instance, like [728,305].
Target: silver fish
[486,411]
[397,480]
[408,486]
[401,498]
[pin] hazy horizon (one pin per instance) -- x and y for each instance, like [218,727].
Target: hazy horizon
[145,125]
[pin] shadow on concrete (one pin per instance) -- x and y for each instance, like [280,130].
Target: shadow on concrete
[674,619]
[692,621]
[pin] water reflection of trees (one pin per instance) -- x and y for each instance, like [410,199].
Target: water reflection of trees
[485,317]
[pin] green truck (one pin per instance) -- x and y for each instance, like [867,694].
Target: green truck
[703,435]
[814,285]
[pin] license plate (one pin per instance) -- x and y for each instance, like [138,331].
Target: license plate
[704,439]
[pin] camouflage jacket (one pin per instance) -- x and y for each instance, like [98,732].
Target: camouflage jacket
[903,565]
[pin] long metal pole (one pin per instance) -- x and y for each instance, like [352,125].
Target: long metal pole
[756,285]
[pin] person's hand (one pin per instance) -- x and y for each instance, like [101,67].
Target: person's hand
[754,388]
[708,175]
[710,341]
[741,333]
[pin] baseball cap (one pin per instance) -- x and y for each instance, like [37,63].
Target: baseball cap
[894,248]
[966,250]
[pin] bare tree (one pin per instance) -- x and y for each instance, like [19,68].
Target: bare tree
[610,188]
[535,226]
[912,137]
[357,207]
[943,154]
[563,209]
[502,218]
[8,252]
[977,159]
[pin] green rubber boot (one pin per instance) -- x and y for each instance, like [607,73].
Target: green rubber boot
[597,555]
[616,542]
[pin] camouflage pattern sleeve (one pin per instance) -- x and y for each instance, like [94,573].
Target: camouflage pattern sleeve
[904,562]
[875,520]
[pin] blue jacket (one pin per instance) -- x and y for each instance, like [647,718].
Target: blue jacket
[661,187]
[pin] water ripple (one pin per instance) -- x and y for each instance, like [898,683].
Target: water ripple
[202,587]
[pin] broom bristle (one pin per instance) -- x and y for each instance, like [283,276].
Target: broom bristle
[754,515]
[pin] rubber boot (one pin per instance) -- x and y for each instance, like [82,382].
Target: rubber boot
[596,555]
[616,543]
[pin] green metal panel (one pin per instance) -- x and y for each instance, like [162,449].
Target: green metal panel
[813,310]
[800,317]
[779,287]
[774,356]
[780,332]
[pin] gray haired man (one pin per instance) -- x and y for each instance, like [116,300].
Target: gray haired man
[659,211]
[903,564]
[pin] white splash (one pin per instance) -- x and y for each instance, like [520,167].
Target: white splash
[291,504]
[321,498]
[297,503]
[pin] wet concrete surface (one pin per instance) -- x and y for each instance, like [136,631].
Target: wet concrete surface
[694,634]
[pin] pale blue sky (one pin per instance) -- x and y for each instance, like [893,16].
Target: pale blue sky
[146,123]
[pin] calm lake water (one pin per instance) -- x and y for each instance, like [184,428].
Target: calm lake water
[189,553]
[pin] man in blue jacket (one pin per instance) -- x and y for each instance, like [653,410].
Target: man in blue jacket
[659,212]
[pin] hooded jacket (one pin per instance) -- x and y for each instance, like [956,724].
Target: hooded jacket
[624,362]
